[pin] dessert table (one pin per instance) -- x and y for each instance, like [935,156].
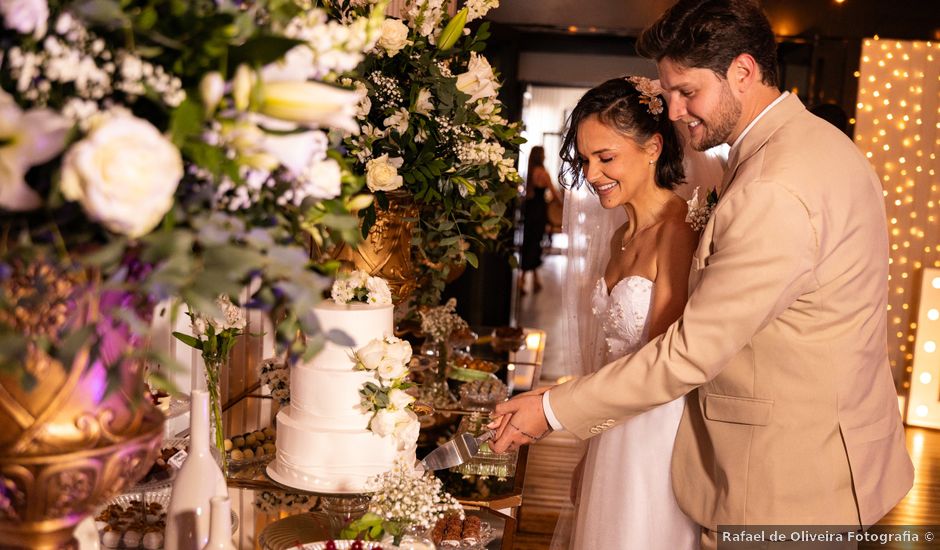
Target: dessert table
[496,500]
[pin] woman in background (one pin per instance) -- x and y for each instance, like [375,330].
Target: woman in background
[535,217]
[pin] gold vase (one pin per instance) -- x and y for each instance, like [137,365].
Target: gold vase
[386,251]
[65,451]
[70,439]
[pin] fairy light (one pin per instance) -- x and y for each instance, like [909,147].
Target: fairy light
[897,128]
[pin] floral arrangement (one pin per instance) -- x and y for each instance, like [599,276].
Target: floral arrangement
[434,131]
[175,149]
[439,322]
[360,287]
[215,338]
[387,359]
[699,212]
[404,499]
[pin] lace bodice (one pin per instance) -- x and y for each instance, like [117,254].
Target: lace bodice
[623,312]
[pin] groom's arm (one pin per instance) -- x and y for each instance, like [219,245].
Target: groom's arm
[765,253]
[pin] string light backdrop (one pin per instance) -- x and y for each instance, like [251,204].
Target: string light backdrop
[897,129]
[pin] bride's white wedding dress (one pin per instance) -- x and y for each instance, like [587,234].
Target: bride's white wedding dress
[626,499]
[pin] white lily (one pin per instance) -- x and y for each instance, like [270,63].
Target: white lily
[311,104]
[26,139]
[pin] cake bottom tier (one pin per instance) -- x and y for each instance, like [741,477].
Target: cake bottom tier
[330,461]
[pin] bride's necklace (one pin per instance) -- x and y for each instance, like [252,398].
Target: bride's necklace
[625,242]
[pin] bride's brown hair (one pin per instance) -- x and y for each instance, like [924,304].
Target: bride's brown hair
[619,105]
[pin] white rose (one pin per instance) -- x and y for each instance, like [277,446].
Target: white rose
[394,36]
[398,349]
[398,399]
[124,174]
[379,292]
[390,369]
[382,173]
[386,421]
[479,80]
[324,179]
[372,354]
[406,432]
[25,16]
[423,104]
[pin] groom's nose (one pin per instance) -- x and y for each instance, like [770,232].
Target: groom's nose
[677,108]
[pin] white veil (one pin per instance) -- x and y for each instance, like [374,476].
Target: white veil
[589,228]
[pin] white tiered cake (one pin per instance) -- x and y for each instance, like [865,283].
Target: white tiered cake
[323,439]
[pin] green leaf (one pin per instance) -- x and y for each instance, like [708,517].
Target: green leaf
[189,340]
[472,259]
[186,121]
[261,50]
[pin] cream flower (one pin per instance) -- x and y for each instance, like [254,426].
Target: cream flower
[370,356]
[479,80]
[394,36]
[124,174]
[25,16]
[423,104]
[398,399]
[382,173]
[379,293]
[406,432]
[323,179]
[390,421]
[26,139]
[390,369]
[398,121]
[311,103]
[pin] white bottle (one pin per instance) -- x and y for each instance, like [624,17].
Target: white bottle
[220,530]
[198,480]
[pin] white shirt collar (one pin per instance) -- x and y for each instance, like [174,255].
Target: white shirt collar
[753,122]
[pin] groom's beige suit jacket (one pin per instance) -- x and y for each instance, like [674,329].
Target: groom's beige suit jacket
[792,416]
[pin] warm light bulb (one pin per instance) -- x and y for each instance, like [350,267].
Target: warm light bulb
[925,378]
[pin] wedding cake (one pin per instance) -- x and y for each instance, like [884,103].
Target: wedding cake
[348,420]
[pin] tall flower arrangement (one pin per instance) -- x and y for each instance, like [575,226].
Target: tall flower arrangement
[174,149]
[433,127]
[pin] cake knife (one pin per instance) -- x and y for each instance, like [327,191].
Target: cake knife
[456,451]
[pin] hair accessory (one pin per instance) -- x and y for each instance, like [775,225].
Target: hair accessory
[649,94]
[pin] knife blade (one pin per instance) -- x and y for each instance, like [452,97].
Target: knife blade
[456,451]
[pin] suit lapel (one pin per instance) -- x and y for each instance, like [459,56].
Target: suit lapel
[758,136]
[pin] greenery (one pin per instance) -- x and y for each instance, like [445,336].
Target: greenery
[210,204]
[432,104]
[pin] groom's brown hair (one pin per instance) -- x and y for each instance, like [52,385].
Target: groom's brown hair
[709,34]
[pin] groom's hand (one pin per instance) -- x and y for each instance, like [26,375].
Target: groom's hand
[519,421]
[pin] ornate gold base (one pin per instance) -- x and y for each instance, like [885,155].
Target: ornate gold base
[42,498]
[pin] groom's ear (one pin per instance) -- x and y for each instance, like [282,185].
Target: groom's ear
[743,73]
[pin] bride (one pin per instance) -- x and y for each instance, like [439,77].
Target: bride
[621,143]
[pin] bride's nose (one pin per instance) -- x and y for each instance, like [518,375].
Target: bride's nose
[592,172]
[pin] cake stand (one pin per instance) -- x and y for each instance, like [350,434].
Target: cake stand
[339,507]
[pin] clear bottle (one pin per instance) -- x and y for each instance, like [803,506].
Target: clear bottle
[220,525]
[198,480]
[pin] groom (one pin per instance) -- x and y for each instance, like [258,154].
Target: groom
[792,416]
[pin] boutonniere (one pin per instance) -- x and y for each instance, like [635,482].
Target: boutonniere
[701,211]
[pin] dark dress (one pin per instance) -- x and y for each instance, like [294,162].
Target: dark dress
[535,217]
